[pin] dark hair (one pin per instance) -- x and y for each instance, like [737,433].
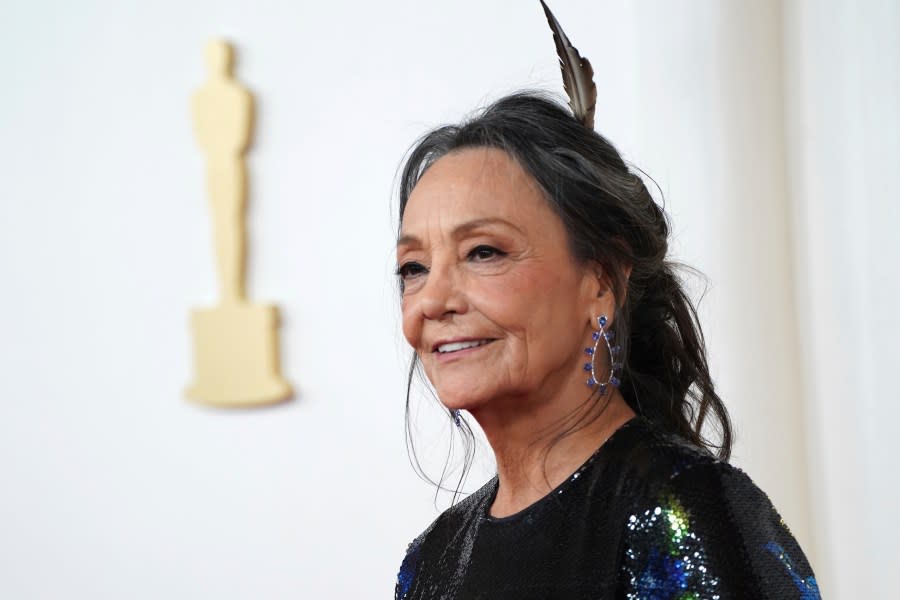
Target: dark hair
[612,219]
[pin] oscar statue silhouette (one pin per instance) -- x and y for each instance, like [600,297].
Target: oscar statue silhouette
[235,342]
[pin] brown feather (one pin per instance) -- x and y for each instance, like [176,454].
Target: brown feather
[578,75]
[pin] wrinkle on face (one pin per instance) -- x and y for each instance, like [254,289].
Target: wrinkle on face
[533,300]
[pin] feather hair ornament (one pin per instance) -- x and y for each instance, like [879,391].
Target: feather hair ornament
[577,73]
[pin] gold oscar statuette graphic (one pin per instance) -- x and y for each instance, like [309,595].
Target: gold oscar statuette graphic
[235,342]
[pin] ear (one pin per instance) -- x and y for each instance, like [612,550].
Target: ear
[603,296]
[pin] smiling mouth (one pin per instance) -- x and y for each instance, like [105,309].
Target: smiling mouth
[451,347]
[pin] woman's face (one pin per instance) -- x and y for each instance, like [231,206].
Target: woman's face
[493,303]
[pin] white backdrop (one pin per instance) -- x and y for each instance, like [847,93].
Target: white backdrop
[749,116]
[843,65]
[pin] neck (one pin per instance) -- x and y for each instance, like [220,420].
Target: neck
[531,458]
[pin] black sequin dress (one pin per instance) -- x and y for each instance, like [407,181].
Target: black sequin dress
[646,517]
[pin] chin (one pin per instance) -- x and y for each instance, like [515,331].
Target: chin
[465,399]
[455,401]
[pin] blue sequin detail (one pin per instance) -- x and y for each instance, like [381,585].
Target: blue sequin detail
[808,588]
[407,570]
[670,562]
[663,577]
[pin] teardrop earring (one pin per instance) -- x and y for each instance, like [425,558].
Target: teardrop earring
[606,336]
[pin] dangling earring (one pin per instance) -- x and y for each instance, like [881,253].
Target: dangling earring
[457,419]
[615,366]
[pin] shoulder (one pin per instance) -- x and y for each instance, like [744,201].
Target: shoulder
[650,452]
[696,522]
[652,463]
[442,533]
[659,466]
[459,515]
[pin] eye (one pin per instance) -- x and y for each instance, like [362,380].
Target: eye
[484,252]
[411,269]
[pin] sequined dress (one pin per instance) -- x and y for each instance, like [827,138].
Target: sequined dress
[647,517]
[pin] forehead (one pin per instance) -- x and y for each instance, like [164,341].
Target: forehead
[474,184]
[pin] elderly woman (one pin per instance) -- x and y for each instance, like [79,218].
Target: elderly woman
[537,297]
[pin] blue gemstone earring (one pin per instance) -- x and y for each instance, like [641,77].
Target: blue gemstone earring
[457,419]
[607,338]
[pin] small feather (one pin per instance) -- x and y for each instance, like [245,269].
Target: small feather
[578,75]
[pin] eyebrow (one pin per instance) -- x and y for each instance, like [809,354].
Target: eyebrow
[460,230]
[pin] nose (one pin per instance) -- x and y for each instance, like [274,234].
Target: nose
[442,294]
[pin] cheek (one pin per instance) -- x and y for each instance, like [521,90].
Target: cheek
[412,326]
[523,301]
[538,310]
[500,302]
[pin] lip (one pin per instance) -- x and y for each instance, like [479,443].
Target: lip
[446,356]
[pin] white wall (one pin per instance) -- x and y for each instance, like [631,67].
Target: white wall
[710,98]
[843,64]
[114,486]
